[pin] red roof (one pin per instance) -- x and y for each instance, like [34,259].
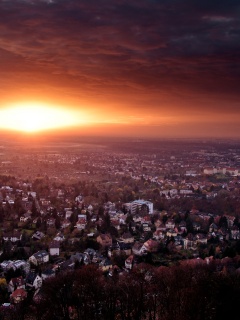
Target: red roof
[19,293]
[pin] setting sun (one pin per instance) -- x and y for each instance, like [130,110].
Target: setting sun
[33,117]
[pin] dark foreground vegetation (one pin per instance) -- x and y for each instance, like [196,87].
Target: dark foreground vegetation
[178,293]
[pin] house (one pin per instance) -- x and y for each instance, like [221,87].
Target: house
[66,265]
[38,235]
[59,237]
[196,226]
[16,283]
[122,218]
[79,198]
[13,236]
[146,226]
[39,257]
[94,218]
[183,226]
[132,226]
[213,228]
[24,219]
[158,235]
[48,273]
[97,257]
[230,220]
[54,248]
[137,218]
[162,227]
[115,223]
[90,252]
[90,208]
[114,249]
[15,265]
[127,238]
[185,191]
[81,223]
[157,223]
[60,193]
[43,213]
[235,233]
[51,222]
[105,240]
[105,265]
[189,242]
[171,233]
[66,223]
[18,295]
[140,204]
[115,270]
[201,238]
[68,214]
[138,249]
[35,220]
[170,224]
[32,195]
[151,245]
[223,234]
[33,280]
[129,262]
[147,218]
[178,241]
[126,248]
[45,203]
[77,257]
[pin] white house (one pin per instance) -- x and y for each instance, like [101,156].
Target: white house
[138,249]
[33,280]
[12,236]
[139,204]
[16,283]
[82,221]
[54,248]
[39,257]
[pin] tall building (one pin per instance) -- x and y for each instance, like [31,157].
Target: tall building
[132,206]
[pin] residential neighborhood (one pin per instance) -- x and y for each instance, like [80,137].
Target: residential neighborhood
[161,209]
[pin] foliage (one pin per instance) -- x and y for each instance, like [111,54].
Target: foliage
[179,292]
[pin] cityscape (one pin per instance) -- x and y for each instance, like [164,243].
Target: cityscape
[119,160]
[117,206]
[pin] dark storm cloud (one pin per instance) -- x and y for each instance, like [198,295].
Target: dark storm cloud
[179,47]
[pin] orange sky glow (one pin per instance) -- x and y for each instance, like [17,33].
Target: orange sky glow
[120,68]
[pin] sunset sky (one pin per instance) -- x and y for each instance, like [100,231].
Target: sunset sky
[154,68]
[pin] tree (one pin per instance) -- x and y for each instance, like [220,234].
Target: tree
[74,218]
[59,292]
[236,221]
[111,299]
[119,259]
[18,205]
[1,213]
[106,222]
[7,209]
[100,211]
[189,225]
[3,290]
[38,223]
[144,209]
[34,208]
[57,223]
[223,222]
[164,218]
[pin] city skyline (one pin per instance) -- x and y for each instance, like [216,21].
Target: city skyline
[143,68]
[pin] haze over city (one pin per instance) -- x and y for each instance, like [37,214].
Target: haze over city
[143,68]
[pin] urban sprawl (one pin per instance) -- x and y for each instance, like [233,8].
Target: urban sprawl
[114,206]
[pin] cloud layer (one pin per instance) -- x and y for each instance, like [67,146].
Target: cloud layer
[167,57]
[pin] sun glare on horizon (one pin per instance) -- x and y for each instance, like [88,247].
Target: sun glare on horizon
[36,117]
